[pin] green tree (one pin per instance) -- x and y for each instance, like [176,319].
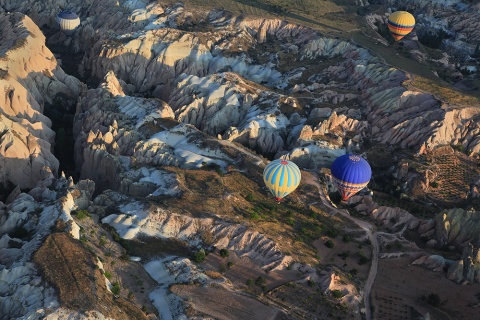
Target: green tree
[224,253]
[200,256]
[433,299]
[337,294]
[329,244]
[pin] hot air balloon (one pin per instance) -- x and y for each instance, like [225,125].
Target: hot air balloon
[400,23]
[351,173]
[67,21]
[281,177]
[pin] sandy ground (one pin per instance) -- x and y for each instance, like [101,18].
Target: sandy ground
[224,304]
[398,288]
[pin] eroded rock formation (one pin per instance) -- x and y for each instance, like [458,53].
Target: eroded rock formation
[31,79]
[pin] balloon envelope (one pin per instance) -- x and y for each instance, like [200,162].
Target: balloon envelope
[281,177]
[67,21]
[351,173]
[400,23]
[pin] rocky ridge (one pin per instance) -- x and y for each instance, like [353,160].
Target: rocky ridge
[32,81]
[23,292]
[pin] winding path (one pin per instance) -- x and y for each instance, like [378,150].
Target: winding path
[369,229]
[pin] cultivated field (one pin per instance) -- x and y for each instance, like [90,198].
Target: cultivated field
[401,288]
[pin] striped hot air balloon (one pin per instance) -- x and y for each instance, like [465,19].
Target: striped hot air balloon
[67,21]
[400,23]
[351,173]
[281,177]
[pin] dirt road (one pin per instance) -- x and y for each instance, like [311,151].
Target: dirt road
[368,228]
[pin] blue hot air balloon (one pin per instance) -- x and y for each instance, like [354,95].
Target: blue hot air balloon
[67,21]
[281,177]
[351,173]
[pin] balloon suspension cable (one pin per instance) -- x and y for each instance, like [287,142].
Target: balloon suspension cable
[285,157]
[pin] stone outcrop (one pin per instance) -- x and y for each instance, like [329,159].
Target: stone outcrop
[392,217]
[114,132]
[467,269]
[31,80]
[432,262]
[458,227]
[23,292]
[155,221]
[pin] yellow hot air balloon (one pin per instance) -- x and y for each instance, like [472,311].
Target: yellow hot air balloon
[400,23]
[281,177]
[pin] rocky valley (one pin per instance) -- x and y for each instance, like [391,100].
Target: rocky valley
[132,153]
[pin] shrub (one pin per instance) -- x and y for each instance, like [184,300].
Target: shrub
[224,253]
[200,256]
[362,260]
[102,242]
[344,255]
[331,232]
[250,282]
[329,244]
[249,197]
[230,264]
[254,216]
[116,288]
[81,214]
[346,238]
[434,184]
[337,294]
[108,275]
[433,299]
[260,281]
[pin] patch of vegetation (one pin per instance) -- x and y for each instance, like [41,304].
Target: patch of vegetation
[81,214]
[116,288]
[200,256]
[432,299]
[344,255]
[337,294]
[331,232]
[362,258]
[224,253]
[260,281]
[346,238]
[107,275]
[250,282]
[329,244]
[249,197]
